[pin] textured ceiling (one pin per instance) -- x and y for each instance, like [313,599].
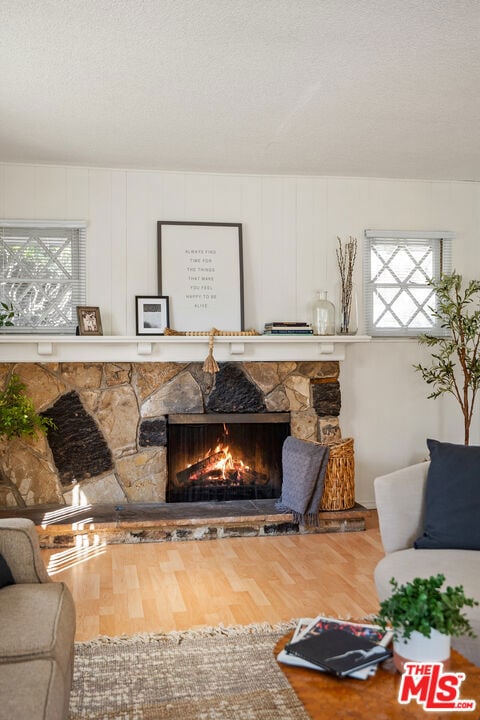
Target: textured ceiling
[386,88]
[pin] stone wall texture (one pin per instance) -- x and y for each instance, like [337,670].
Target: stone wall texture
[110,441]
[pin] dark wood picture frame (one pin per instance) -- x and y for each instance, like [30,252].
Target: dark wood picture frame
[151,313]
[89,320]
[200,268]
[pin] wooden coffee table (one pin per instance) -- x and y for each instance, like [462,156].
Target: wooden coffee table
[326,697]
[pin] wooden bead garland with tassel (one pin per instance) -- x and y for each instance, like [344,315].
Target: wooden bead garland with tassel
[210,365]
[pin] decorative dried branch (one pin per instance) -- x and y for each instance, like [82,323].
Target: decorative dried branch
[346,256]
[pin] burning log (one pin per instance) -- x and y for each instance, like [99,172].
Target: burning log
[200,468]
[211,471]
[248,476]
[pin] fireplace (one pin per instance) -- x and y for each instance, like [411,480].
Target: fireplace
[121,411]
[217,457]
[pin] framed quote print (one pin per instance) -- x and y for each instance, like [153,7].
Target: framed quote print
[200,269]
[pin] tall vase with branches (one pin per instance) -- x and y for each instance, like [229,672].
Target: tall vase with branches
[347,300]
[455,367]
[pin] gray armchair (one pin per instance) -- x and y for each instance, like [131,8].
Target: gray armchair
[37,630]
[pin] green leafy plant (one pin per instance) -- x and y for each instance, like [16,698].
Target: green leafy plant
[17,414]
[6,314]
[421,605]
[455,367]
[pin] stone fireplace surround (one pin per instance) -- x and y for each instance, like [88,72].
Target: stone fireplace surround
[110,445]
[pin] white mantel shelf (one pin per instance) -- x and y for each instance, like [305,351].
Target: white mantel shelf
[173,348]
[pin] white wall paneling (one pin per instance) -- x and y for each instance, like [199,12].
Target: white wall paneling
[18,191]
[290,228]
[99,246]
[77,193]
[253,281]
[118,320]
[51,190]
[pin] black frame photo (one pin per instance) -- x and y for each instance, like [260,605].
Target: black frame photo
[200,268]
[89,320]
[151,314]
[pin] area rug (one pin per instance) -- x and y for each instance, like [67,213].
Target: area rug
[223,673]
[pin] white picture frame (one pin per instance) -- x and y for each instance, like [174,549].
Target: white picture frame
[151,314]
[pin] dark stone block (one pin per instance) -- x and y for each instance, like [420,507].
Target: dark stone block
[153,433]
[234,392]
[79,448]
[281,529]
[240,531]
[182,534]
[326,398]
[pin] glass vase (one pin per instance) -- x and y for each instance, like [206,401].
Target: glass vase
[323,315]
[347,310]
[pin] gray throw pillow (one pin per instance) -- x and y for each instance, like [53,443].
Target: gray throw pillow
[452,503]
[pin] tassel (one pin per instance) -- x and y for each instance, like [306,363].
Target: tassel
[210,365]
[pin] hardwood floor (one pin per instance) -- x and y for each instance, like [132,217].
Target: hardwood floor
[158,587]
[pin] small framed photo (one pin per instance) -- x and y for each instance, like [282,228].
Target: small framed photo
[89,320]
[152,314]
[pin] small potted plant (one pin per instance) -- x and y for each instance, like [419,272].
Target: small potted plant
[423,618]
[18,417]
[6,314]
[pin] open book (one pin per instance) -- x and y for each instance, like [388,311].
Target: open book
[308,628]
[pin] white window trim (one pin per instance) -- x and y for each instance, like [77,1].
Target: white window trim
[75,224]
[445,264]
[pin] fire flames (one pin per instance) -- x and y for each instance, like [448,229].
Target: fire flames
[218,464]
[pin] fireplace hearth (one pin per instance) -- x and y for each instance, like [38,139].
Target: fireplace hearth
[218,457]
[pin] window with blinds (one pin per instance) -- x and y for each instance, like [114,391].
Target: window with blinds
[397,269]
[43,274]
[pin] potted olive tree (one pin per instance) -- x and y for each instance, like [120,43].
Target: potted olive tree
[455,367]
[423,618]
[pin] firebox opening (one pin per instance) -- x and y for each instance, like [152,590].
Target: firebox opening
[225,457]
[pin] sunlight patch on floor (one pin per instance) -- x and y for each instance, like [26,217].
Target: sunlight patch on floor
[67,559]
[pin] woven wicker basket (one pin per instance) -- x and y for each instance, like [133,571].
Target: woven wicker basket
[339,483]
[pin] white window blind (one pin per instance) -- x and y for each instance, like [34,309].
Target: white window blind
[43,273]
[397,270]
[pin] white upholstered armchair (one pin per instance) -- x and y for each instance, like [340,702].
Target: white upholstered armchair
[400,500]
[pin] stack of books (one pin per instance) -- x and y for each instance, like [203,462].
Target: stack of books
[342,648]
[288,328]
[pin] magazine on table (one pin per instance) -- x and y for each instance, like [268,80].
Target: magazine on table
[302,625]
[309,627]
[339,651]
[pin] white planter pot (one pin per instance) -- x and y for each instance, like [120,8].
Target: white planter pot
[419,648]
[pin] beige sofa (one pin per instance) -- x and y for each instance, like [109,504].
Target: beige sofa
[400,500]
[37,628]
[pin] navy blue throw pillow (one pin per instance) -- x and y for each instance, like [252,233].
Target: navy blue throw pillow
[6,577]
[452,502]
